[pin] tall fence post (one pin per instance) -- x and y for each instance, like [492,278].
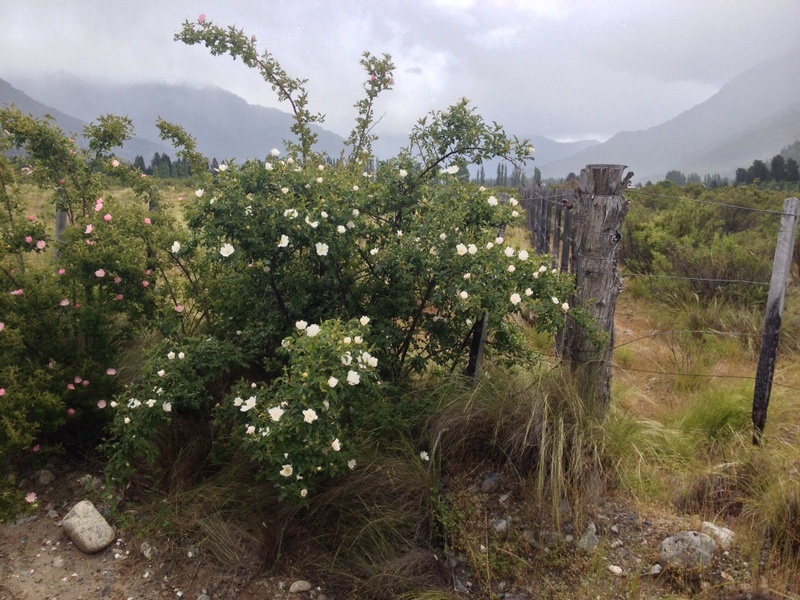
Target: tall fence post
[599,215]
[781,269]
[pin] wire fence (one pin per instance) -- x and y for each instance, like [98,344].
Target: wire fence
[549,222]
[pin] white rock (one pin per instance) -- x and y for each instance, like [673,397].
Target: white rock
[87,528]
[723,535]
[299,586]
[616,570]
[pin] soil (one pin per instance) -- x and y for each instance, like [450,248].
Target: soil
[39,562]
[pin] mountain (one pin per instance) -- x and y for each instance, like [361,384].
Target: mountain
[224,125]
[752,116]
[71,125]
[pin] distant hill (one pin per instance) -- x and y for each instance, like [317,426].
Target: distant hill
[753,116]
[224,124]
[71,125]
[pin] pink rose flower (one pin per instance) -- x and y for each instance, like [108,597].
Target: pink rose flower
[28,239]
[41,244]
[100,273]
[147,221]
[107,217]
[70,411]
[18,292]
[201,19]
[101,404]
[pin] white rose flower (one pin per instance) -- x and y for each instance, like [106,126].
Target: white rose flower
[322,249]
[176,247]
[284,241]
[492,201]
[226,250]
[353,378]
[275,413]
[309,415]
[523,255]
[301,325]
[312,330]
[515,298]
[364,320]
[509,251]
[336,445]
[332,382]
[287,471]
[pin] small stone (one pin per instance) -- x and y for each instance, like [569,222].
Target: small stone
[299,586]
[53,514]
[616,544]
[44,477]
[655,570]
[490,483]
[723,535]
[614,529]
[147,550]
[87,528]
[615,569]
[688,549]
[500,525]
[589,540]
[58,562]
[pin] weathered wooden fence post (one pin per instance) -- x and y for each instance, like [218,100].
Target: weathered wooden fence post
[599,215]
[781,269]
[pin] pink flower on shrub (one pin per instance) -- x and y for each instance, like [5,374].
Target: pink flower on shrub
[18,292]
[145,283]
[61,271]
[101,404]
[41,244]
[2,326]
[111,371]
[117,279]
[115,163]
[180,308]
[70,411]
[78,379]
[2,391]
[180,198]
[77,305]
[119,297]
[36,448]
[147,221]
[70,386]
[148,271]
[31,217]
[100,273]
[107,216]
[31,497]
[90,242]
[89,229]
[85,382]
[201,19]
[28,239]
[65,302]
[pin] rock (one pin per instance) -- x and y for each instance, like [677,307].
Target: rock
[589,540]
[614,529]
[616,570]
[299,586]
[44,477]
[655,570]
[53,514]
[204,597]
[58,562]
[147,550]
[688,549]
[616,544]
[500,525]
[723,535]
[490,483]
[87,528]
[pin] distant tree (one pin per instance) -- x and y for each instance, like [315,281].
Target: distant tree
[481,176]
[463,173]
[537,176]
[571,177]
[693,178]
[777,168]
[138,163]
[676,177]
[742,176]
[792,171]
[214,165]
[758,171]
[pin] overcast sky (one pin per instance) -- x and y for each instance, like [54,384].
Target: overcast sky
[564,69]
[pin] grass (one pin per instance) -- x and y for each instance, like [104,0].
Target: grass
[676,450]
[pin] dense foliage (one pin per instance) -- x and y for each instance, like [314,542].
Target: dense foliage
[300,293]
